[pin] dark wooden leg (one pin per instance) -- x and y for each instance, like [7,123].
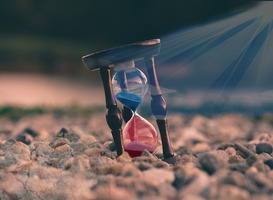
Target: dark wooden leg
[113,114]
[159,110]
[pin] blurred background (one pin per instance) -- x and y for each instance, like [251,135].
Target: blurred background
[42,42]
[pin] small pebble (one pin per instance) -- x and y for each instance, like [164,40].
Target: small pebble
[261,180]
[2,176]
[25,138]
[184,159]
[31,132]
[149,159]
[43,150]
[264,156]
[63,148]
[200,148]
[73,137]
[251,147]
[225,146]
[262,167]
[264,148]
[125,182]
[124,157]
[158,176]
[191,197]
[236,159]
[9,159]
[144,166]
[261,197]
[8,144]
[171,160]
[101,165]
[20,148]
[147,154]
[236,178]
[92,152]
[211,163]
[62,133]
[251,160]
[95,145]
[166,191]
[58,142]
[269,162]
[182,150]
[229,192]
[194,180]
[264,137]
[110,145]
[130,170]
[2,152]
[230,151]
[159,156]
[108,154]
[243,151]
[160,164]
[78,148]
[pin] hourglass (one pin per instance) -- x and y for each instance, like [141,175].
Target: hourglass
[128,86]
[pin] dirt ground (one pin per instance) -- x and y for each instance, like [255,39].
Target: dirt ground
[70,157]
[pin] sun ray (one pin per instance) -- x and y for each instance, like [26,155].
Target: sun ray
[234,52]
[235,72]
[266,59]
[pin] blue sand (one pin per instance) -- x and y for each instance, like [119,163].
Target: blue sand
[130,100]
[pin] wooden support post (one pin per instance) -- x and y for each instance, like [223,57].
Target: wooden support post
[159,108]
[113,114]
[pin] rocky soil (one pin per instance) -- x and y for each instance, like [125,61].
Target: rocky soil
[221,157]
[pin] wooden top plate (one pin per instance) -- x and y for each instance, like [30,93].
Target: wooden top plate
[134,51]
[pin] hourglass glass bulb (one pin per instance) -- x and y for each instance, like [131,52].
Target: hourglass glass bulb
[129,85]
[138,135]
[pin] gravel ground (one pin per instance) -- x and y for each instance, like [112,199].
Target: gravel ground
[221,157]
